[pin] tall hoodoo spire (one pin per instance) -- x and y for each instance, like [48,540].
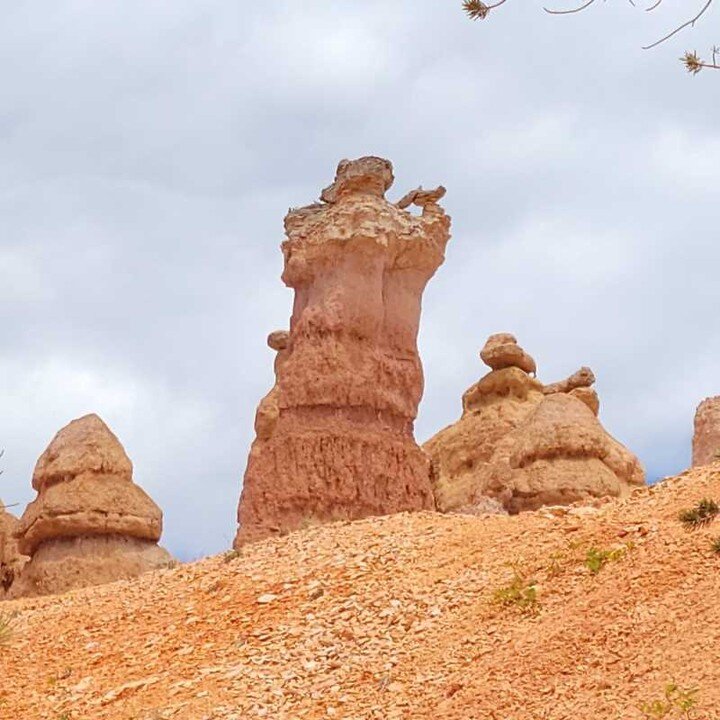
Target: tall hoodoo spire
[350,378]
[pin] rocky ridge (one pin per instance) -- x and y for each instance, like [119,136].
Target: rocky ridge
[392,618]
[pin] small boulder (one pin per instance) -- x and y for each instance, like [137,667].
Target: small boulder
[502,351]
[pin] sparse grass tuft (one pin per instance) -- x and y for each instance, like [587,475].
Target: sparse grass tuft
[231,555]
[716,546]
[677,702]
[596,559]
[7,628]
[519,592]
[702,514]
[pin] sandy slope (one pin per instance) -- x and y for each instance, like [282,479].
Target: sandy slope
[393,618]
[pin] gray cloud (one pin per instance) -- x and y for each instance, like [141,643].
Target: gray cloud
[150,151]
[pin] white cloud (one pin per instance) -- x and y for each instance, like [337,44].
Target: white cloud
[150,152]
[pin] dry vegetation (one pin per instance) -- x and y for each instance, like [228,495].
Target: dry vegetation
[478,10]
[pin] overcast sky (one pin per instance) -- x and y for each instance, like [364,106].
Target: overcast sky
[150,150]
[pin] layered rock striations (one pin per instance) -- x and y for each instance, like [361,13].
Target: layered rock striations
[706,440]
[90,523]
[341,445]
[526,444]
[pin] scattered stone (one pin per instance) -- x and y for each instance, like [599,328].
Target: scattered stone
[334,438]
[409,625]
[267,598]
[90,523]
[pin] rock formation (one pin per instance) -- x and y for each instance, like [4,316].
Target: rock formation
[10,559]
[526,444]
[706,441]
[90,523]
[502,351]
[349,380]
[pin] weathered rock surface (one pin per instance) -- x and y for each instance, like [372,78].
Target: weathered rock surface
[583,378]
[268,412]
[349,382]
[89,523]
[706,441]
[526,444]
[11,561]
[502,351]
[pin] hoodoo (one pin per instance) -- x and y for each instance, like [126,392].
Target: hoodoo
[706,441]
[90,523]
[525,444]
[340,444]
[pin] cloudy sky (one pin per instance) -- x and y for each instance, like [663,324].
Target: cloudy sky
[150,149]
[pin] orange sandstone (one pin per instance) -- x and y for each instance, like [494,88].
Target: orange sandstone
[90,523]
[526,444]
[706,441]
[341,445]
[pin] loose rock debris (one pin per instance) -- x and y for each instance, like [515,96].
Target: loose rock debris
[394,618]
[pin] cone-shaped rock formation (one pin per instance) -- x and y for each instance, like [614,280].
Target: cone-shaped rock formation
[349,377]
[526,444]
[706,441]
[90,523]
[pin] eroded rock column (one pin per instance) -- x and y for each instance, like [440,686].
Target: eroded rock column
[90,523]
[350,379]
[525,444]
[706,440]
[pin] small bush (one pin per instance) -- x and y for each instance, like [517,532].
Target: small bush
[554,568]
[595,560]
[677,703]
[702,514]
[519,592]
[716,546]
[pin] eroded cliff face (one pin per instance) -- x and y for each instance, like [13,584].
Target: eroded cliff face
[89,523]
[706,440]
[526,444]
[350,379]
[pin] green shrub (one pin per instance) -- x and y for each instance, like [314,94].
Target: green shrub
[703,513]
[519,592]
[676,703]
[596,559]
[230,555]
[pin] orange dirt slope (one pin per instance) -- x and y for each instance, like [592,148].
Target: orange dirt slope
[394,617]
